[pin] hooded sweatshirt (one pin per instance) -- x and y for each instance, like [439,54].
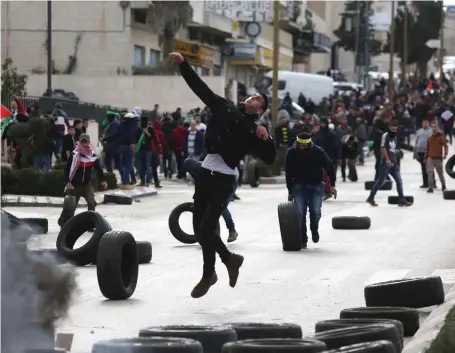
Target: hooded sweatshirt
[161,137]
[127,130]
[178,138]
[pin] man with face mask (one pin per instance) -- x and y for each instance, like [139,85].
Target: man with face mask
[231,133]
[304,167]
[389,165]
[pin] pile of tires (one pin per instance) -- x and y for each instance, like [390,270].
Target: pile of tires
[389,316]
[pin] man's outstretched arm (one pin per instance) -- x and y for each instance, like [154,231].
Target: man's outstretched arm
[193,80]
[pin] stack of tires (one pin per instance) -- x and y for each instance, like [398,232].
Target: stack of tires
[389,316]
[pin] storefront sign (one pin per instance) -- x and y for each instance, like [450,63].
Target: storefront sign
[196,54]
[266,59]
[239,52]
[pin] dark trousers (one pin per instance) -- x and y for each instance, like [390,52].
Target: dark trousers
[377,165]
[167,164]
[343,168]
[87,192]
[155,164]
[144,159]
[179,161]
[111,155]
[384,171]
[423,167]
[211,195]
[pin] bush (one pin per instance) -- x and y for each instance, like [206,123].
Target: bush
[30,181]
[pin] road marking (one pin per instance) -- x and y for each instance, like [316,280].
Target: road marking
[329,277]
[386,275]
[447,275]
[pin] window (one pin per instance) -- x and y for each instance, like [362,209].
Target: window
[216,70]
[140,16]
[154,58]
[139,56]
[205,71]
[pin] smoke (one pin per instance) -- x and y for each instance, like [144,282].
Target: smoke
[35,293]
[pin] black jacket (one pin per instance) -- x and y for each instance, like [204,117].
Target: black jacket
[329,142]
[230,133]
[83,174]
[68,146]
[350,152]
[306,167]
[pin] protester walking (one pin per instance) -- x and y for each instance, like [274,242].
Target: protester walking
[437,150]
[420,147]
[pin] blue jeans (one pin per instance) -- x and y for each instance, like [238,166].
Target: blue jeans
[59,143]
[384,171]
[111,154]
[308,197]
[42,162]
[126,161]
[197,159]
[361,152]
[226,214]
[144,159]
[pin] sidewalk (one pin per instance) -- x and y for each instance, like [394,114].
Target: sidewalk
[45,201]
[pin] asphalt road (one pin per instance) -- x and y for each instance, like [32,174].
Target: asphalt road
[314,284]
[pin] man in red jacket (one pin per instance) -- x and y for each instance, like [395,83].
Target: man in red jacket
[158,146]
[177,142]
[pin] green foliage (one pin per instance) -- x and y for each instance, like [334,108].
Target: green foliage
[347,36]
[421,28]
[30,181]
[13,83]
[445,340]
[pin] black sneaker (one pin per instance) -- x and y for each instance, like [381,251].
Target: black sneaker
[371,202]
[158,186]
[430,191]
[344,179]
[423,186]
[404,203]
[236,197]
[233,235]
[315,236]
[443,187]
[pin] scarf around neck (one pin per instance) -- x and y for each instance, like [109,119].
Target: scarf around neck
[79,151]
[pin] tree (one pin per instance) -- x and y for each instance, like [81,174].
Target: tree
[424,23]
[13,83]
[167,18]
[347,34]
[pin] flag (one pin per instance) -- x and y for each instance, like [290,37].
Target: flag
[5,123]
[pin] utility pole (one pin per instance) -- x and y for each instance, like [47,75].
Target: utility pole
[404,71]
[357,43]
[276,53]
[391,84]
[366,79]
[49,48]
[441,50]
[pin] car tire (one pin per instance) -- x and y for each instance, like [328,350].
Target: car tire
[387,186]
[367,347]
[148,345]
[117,199]
[144,252]
[289,226]
[448,194]
[37,225]
[450,165]
[254,330]
[351,223]
[276,345]
[69,208]
[393,200]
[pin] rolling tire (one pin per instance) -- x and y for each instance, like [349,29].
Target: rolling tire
[387,186]
[175,228]
[418,292]
[69,207]
[351,222]
[327,325]
[358,334]
[73,229]
[144,252]
[407,316]
[148,345]
[275,345]
[393,200]
[450,164]
[117,266]
[212,338]
[253,174]
[118,199]
[38,225]
[367,347]
[253,330]
[289,226]
[448,194]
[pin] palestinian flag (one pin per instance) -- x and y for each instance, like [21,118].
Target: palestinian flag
[5,122]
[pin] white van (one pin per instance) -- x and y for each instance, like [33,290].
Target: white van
[312,86]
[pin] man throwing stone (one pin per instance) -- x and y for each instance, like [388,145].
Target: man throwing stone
[231,134]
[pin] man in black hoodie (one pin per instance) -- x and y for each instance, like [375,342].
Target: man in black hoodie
[329,142]
[231,134]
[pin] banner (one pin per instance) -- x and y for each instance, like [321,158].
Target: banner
[239,52]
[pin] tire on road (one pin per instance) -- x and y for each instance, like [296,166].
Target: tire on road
[212,338]
[386,186]
[174,226]
[418,292]
[73,229]
[351,222]
[407,316]
[357,334]
[144,252]
[327,325]
[69,207]
[38,225]
[450,165]
[448,194]
[252,172]
[117,266]
[254,330]
[148,345]
[21,230]
[393,199]
[367,347]
[273,345]
[289,226]
[117,199]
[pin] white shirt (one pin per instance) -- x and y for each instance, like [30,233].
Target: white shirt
[216,163]
[201,126]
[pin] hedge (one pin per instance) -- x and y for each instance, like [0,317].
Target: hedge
[445,340]
[29,181]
